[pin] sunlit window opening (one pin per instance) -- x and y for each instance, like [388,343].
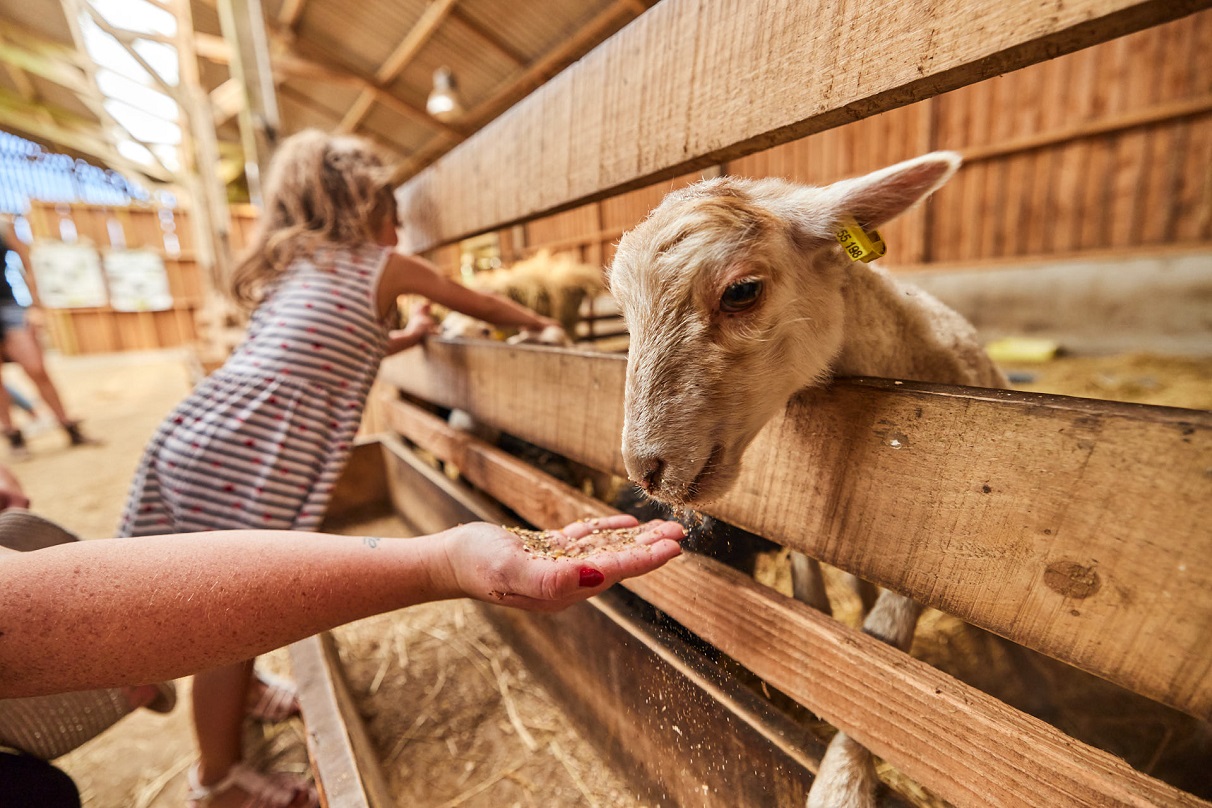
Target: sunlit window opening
[148,119]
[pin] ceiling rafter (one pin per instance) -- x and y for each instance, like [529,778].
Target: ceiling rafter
[127,40]
[92,95]
[289,64]
[383,96]
[538,72]
[426,26]
[308,103]
[33,56]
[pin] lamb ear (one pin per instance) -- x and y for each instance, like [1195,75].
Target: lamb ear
[883,195]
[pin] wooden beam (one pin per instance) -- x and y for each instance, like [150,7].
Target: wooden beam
[225,101]
[127,43]
[991,505]
[420,33]
[727,738]
[426,26]
[962,744]
[40,44]
[647,105]
[31,58]
[553,62]
[243,25]
[341,751]
[52,124]
[568,51]
[357,111]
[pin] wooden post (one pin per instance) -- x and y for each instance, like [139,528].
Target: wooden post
[244,29]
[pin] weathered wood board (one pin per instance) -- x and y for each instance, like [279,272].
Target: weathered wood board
[342,756]
[691,83]
[1075,527]
[966,746]
[672,722]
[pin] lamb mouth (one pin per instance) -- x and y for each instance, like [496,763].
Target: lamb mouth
[695,489]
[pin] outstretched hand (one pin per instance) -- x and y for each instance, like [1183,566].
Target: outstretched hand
[551,570]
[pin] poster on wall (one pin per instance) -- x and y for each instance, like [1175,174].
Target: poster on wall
[68,276]
[137,281]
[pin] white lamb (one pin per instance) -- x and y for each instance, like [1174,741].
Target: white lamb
[737,294]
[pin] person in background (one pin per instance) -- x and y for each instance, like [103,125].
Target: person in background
[261,442]
[19,343]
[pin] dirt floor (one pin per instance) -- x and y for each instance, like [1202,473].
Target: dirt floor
[457,719]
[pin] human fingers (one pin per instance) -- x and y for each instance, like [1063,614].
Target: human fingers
[556,584]
[584,527]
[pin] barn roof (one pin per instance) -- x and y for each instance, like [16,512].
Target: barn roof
[364,67]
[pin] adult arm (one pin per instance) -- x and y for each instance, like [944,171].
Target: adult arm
[131,611]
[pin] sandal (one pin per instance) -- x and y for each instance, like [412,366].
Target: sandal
[278,702]
[263,790]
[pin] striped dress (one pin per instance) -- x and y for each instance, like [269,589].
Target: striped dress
[260,443]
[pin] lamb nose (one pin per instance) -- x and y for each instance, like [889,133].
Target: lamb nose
[650,473]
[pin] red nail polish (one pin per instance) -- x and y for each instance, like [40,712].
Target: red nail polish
[591,577]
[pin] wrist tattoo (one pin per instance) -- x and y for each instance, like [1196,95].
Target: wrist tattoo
[371,541]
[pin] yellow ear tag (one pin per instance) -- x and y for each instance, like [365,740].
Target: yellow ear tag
[858,243]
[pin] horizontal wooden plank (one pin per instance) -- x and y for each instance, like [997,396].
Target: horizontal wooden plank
[966,746]
[692,83]
[1078,528]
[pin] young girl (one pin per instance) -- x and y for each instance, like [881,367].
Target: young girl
[261,442]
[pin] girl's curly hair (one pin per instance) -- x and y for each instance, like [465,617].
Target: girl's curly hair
[320,189]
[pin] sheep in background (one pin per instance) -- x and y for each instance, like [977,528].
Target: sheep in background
[552,285]
[737,294]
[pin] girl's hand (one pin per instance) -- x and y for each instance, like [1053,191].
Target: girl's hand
[421,322]
[563,567]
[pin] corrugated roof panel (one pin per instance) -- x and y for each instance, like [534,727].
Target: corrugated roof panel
[533,28]
[362,35]
[394,128]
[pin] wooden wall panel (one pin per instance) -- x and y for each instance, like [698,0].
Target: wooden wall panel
[1105,148]
[646,105]
[102,330]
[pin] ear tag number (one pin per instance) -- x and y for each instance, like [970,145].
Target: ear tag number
[858,243]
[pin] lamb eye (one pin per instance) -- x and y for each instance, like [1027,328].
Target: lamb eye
[741,295]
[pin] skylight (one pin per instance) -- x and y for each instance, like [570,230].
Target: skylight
[149,118]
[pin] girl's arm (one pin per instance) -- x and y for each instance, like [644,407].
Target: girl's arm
[130,611]
[407,274]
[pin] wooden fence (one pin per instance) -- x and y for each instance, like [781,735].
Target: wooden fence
[1077,528]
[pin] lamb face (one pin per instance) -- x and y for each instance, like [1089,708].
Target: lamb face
[728,316]
[732,292]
